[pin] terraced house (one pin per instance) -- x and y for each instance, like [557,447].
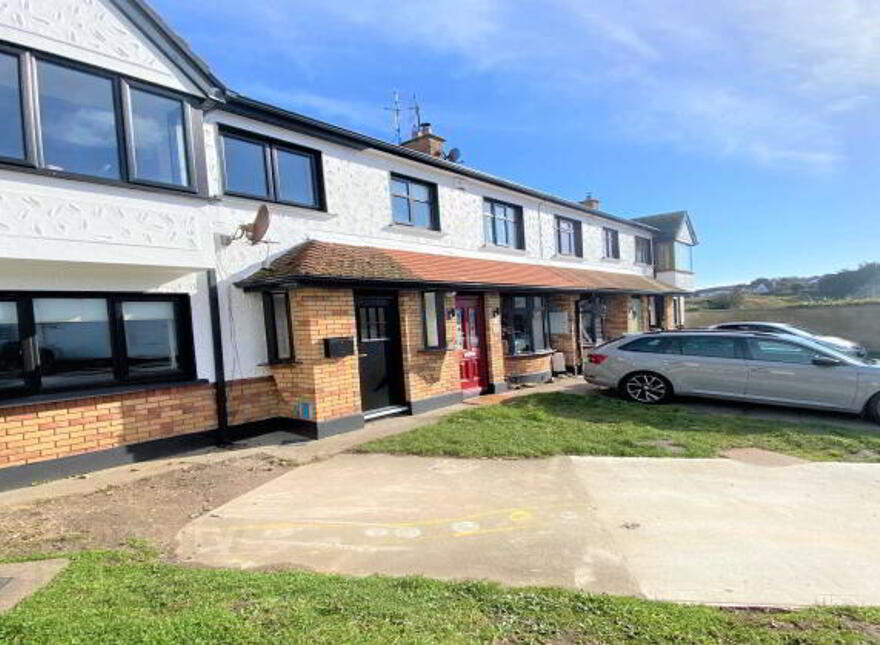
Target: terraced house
[133,313]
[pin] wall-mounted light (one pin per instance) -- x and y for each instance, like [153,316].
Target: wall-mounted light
[450,314]
[496,312]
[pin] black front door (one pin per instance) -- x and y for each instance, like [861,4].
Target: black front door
[380,360]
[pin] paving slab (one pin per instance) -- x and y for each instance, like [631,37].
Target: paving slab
[21,579]
[517,522]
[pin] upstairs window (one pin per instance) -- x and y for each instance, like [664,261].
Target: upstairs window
[78,121]
[159,137]
[93,124]
[414,203]
[643,251]
[568,237]
[503,224]
[611,246]
[12,130]
[271,170]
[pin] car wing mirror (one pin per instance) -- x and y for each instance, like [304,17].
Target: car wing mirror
[826,361]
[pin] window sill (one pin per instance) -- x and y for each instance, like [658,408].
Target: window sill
[436,350]
[612,260]
[566,258]
[414,230]
[54,397]
[279,208]
[545,352]
[503,250]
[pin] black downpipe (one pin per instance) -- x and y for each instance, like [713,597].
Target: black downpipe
[219,368]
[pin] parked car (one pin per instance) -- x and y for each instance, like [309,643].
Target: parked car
[835,342]
[749,366]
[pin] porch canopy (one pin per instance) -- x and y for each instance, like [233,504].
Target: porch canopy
[328,263]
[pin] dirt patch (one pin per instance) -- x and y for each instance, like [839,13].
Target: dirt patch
[152,509]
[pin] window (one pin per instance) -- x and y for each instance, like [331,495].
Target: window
[568,237]
[643,250]
[78,121]
[777,351]
[434,319]
[414,203]
[159,137]
[684,260]
[611,246]
[279,339]
[12,131]
[93,123]
[711,346]
[654,345]
[504,224]
[57,342]
[271,170]
[525,324]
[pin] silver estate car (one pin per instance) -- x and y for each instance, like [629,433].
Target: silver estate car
[834,342]
[748,366]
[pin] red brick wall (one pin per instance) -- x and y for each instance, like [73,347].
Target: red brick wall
[494,342]
[520,365]
[566,342]
[426,373]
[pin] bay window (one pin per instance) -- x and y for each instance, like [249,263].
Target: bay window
[270,170]
[56,342]
[525,325]
[90,123]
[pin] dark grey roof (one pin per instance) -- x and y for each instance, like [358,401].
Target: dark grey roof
[669,224]
[172,46]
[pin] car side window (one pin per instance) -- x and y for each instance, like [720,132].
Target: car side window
[712,346]
[653,345]
[778,351]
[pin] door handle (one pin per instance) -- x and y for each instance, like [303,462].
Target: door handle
[362,355]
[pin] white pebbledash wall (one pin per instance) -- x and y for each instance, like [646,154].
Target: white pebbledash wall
[59,234]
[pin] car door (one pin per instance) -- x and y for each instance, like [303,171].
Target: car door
[709,365]
[781,371]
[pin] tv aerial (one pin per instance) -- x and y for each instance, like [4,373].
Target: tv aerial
[255,231]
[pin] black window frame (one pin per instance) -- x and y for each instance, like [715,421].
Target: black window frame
[116,325]
[509,308]
[439,319]
[271,332]
[432,196]
[576,234]
[614,252]
[518,221]
[271,147]
[647,249]
[121,85]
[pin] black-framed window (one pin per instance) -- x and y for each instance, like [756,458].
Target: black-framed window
[434,319]
[503,224]
[525,324]
[261,168]
[12,142]
[69,119]
[52,342]
[414,203]
[279,330]
[611,244]
[643,250]
[568,237]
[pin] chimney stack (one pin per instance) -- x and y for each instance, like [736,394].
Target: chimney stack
[426,141]
[591,202]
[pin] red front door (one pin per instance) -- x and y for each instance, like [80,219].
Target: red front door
[471,344]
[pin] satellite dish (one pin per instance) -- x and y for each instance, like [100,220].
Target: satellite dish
[255,231]
[454,155]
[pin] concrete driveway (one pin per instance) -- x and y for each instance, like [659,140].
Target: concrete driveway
[694,530]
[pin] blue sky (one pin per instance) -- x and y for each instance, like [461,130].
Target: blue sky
[760,118]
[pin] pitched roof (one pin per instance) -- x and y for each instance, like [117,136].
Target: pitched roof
[316,261]
[669,224]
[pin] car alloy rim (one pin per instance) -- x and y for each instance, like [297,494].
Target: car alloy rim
[646,388]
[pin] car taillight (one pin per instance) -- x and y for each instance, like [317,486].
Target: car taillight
[597,359]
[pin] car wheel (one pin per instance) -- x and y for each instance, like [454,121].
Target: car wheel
[873,408]
[646,387]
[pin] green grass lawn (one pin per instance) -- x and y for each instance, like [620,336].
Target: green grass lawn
[541,425]
[129,597]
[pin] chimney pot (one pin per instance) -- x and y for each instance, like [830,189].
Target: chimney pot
[426,141]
